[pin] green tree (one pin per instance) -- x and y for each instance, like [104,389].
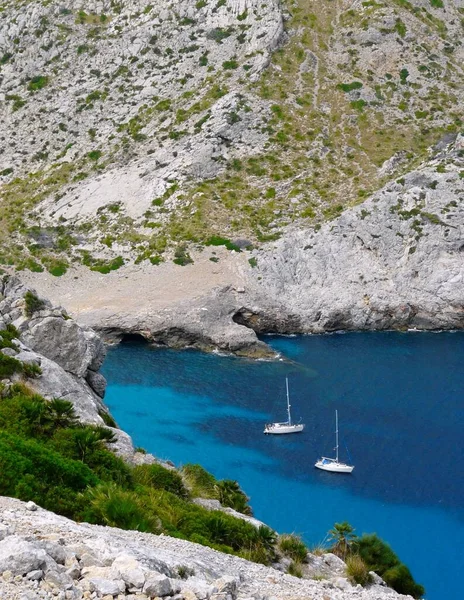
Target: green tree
[230,494]
[343,535]
[62,413]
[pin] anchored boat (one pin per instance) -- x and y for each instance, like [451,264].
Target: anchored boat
[333,464]
[287,426]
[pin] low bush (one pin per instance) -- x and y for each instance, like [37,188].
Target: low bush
[357,570]
[113,506]
[9,366]
[33,303]
[7,336]
[199,481]
[31,471]
[47,456]
[31,370]
[292,546]
[379,557]
[203,485]
[294,568]
[230,494]
[400,579]
[216,240]
[160,478]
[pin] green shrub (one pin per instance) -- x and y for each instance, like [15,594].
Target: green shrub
[9,366]
[183,571]
[218,34]
[230,64]
[200,483]
[181,256]
[400,579]
[294,568]
[33,303]
[31,370]
[47,456]
[292,546]
[216,240]
[30,471]
[160,478]
[400,28]
[379,557]
[7,336]
[230,494]
[404,74]
[94,155]
[357,570]
[349,87]
[37,83]
[110,505]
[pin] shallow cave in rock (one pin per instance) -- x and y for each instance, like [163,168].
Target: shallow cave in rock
[133,338]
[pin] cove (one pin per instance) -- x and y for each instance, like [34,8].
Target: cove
[400,398]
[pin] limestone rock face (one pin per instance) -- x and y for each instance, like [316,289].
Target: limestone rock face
[62,340]
[157,586]
[395,262]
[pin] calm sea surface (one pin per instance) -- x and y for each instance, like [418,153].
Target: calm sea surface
[400,399]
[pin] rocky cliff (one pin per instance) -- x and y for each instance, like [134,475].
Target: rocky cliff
[44,556]
[396,261]
[68,356]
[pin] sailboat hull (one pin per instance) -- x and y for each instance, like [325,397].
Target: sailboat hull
[333,466]
[280,428]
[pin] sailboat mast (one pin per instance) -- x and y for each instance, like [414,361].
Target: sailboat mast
[336,433]
[288,403]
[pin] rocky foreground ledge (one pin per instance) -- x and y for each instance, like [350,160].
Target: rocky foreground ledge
[44,556]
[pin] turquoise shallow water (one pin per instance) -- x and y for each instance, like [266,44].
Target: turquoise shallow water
[400,399]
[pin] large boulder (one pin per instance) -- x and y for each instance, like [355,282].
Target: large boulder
[157,585]
[63,341]
[19,556]
[130,570]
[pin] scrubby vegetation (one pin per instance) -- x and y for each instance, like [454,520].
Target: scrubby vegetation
[203,485]
[370,553]
[47,456]
[33,303]
[9,365]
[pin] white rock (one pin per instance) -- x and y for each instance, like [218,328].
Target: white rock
[157,585]
[112,587]
[19,556]
[130,570]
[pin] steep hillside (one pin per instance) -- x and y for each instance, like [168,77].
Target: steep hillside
[133,129]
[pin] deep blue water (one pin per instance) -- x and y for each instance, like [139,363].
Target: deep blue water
[400,399]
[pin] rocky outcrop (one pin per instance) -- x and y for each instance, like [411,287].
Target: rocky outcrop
[67,354]
[395,262]
[206,323]
[46,556]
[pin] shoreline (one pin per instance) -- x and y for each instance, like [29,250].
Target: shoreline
[214,307]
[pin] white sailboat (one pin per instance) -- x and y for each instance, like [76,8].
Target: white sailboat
[333,464]
[288,426]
